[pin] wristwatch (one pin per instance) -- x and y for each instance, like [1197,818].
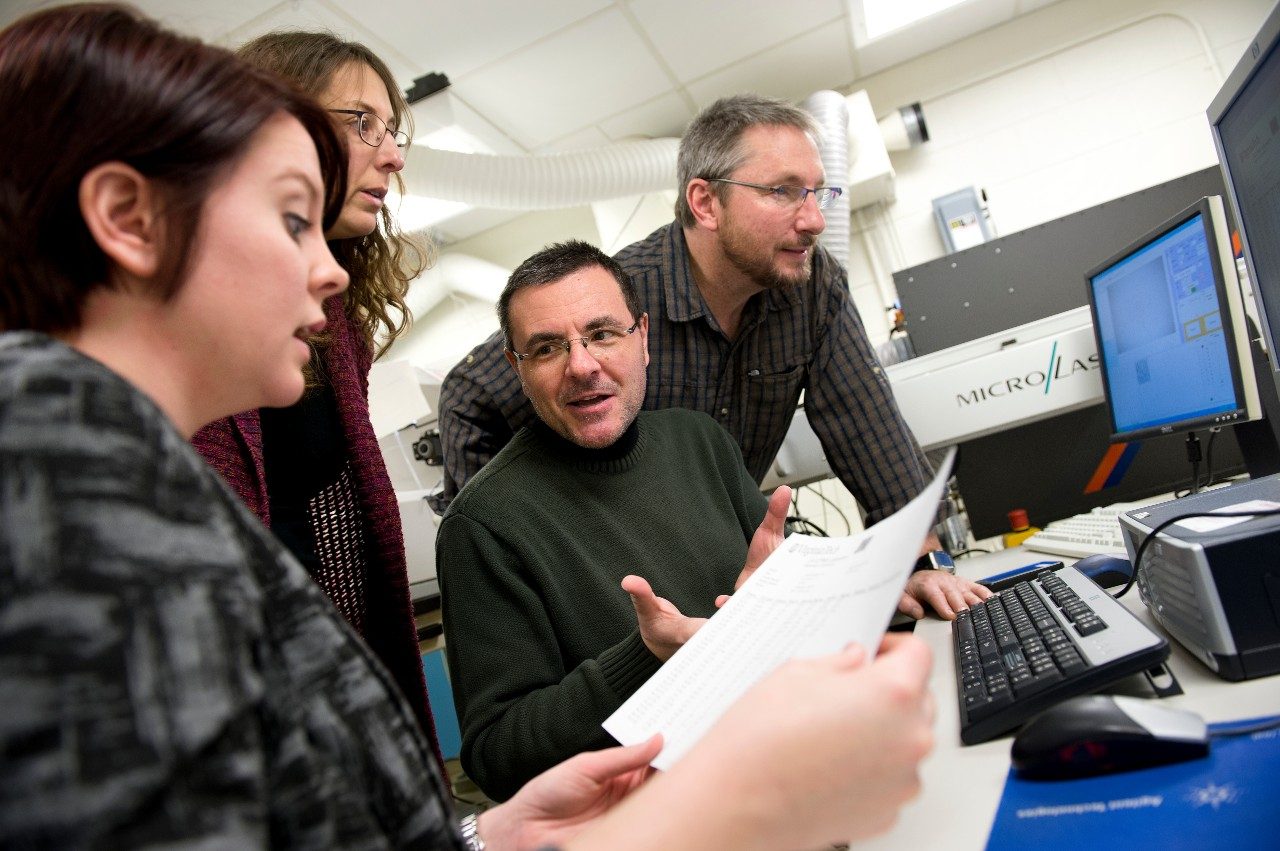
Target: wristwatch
[935,560]
[470,833]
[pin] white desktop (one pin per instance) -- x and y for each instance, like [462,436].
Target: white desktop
[962,784]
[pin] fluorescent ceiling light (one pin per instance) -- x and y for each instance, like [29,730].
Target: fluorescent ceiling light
[453,137]
[417,212]
[884,16]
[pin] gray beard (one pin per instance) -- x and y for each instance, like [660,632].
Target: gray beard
[764,275]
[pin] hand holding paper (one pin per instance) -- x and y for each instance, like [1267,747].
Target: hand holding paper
[813,596]
[821,750]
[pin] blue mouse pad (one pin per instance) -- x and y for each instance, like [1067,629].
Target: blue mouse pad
[1231,799]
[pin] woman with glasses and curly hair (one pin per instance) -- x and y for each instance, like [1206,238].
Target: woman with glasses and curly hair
[313,472]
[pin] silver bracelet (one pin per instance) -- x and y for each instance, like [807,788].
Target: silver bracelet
[471,833]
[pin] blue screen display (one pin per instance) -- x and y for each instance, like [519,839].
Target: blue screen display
[1164,350]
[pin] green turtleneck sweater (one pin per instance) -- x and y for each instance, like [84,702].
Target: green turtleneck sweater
[542,642]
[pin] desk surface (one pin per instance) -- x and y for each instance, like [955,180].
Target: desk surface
[962,784]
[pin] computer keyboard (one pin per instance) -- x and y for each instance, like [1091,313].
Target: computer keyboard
[1046,639]
[1082,535]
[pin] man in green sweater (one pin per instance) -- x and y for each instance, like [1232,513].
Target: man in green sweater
[595,499]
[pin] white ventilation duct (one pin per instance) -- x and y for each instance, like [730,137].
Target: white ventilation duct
[854,156]
[544,182]
[830,111]
[871,175]
[904,128]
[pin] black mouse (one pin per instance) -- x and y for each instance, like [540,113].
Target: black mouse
[1100,734]
[1105,569]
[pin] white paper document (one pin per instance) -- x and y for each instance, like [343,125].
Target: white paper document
[813,596]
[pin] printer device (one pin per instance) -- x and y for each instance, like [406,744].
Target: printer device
[1216,591]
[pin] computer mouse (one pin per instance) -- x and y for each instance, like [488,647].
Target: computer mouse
[1100,734]
[1105,569]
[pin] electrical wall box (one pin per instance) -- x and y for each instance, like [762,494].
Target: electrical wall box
[1214,585]
[962,222]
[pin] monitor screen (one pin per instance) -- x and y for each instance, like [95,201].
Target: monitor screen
[1172,346]
[1245,118]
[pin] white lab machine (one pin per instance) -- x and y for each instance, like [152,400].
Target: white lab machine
[1017,376]
[403,400]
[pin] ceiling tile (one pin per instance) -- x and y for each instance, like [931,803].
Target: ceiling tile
[15,9]
[210,21]
[446,111]
[826,64]
[458,38]
[1025,6]
[696,39]
[594,69]
[665,115]
[324,17]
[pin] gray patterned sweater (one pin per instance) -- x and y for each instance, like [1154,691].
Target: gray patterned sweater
[170,676]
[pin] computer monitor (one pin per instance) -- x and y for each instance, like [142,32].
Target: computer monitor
[1245,121]
[1169,323]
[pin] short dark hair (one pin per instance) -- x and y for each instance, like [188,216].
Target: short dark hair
[554,263]
[110,85]
[711,146]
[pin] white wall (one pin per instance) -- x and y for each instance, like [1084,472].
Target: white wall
[1078,103]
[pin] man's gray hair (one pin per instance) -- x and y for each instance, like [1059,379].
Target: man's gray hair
[712,143]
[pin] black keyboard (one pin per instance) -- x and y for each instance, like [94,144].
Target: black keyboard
[1045,639]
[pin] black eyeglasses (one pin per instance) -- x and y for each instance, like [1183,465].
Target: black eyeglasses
[555,352]
[789,196]
[373,129]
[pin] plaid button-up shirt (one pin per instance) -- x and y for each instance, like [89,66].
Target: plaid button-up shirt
[806,338]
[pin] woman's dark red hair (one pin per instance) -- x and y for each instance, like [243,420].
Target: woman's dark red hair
[87,84]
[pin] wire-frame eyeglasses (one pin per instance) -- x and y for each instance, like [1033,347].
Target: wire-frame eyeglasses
[373,129]
[789,196]
[598,343]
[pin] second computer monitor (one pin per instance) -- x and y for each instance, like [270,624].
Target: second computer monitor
[1170,330]
[1245,119]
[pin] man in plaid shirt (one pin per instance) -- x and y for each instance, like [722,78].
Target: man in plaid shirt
[746,311]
